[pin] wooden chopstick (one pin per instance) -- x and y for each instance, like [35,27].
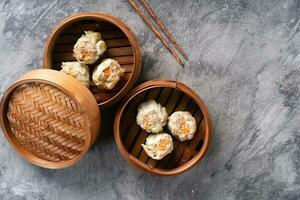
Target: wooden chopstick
[162,26]
[155,31]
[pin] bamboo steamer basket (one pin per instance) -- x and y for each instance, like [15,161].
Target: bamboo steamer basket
[120,40]
[174,96]
[51,119]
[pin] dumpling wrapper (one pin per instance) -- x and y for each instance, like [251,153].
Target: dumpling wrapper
[151,116]
[77,70]
[159,145]
[107,74]
[182,125]
[89,47]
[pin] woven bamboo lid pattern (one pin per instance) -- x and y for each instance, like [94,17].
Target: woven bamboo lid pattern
[50,118]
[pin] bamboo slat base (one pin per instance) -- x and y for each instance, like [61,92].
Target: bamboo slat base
[121,42]
[174,96]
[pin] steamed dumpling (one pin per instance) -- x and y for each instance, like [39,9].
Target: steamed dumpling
[158,145]
[89,47]
[77,70]
[182,125]
[107,74]
[151,116]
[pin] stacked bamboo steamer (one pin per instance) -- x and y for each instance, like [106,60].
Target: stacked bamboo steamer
[51,119]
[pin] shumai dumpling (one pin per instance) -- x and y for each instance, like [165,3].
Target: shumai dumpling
[89,47]
[77,70]
[158,145]
[107,74]
[151,116]
[182,125]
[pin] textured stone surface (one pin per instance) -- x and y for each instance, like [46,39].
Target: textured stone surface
[244,61]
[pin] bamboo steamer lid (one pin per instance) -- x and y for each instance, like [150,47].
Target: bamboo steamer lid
[50,118]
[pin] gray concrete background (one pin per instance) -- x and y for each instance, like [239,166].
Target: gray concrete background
[244,61]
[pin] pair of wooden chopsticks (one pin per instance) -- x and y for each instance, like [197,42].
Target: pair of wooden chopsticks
[162,27]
